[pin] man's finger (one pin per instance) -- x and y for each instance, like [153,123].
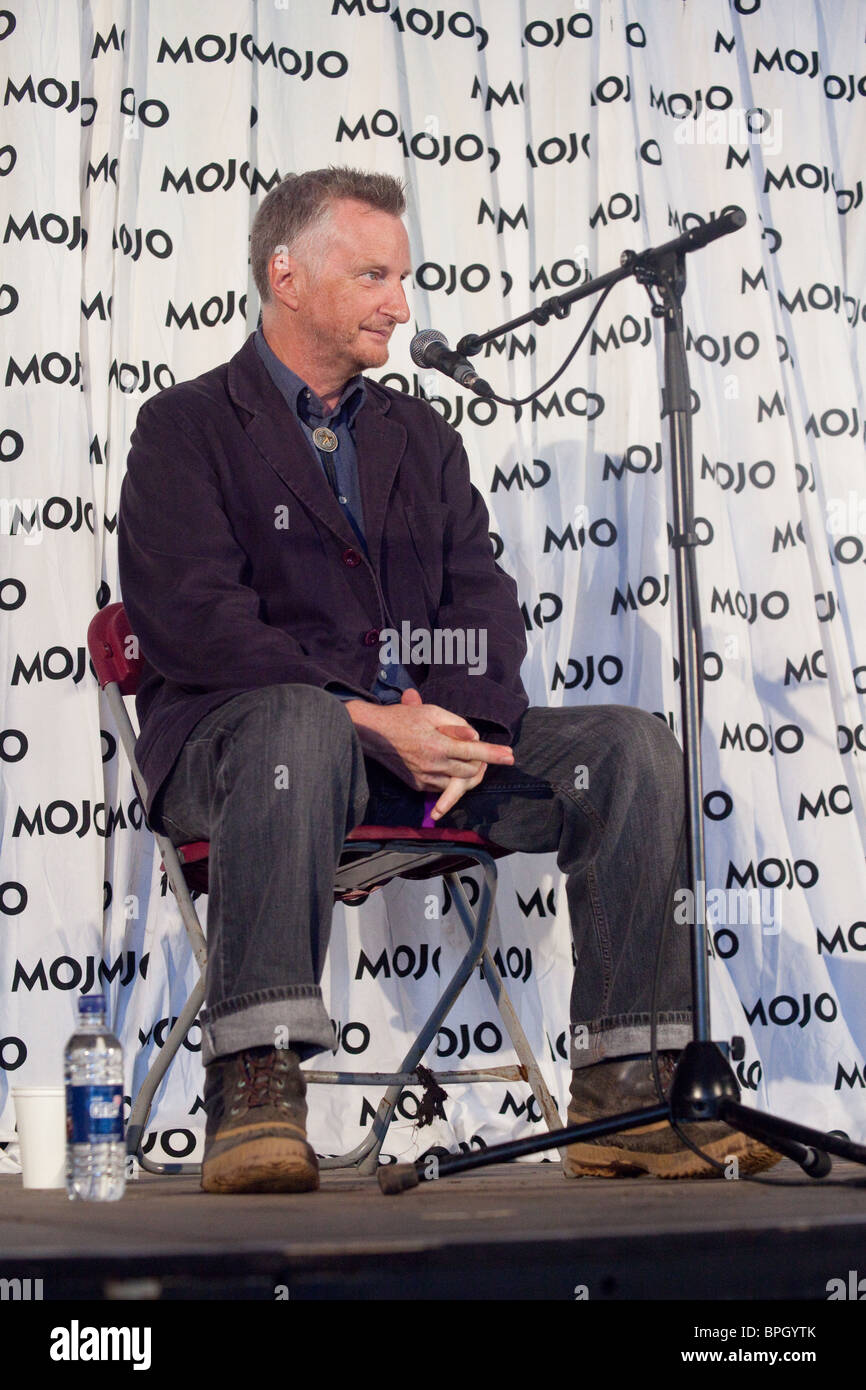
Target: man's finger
[453,792]
[482,752]
[439,777]
[449,798]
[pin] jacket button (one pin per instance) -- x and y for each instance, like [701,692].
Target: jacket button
[351,557]
[371,637]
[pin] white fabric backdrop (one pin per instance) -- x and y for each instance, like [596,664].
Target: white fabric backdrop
[539,140]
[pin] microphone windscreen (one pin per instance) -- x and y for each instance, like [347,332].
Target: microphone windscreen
[421,341]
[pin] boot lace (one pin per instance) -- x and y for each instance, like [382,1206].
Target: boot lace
[261,1080]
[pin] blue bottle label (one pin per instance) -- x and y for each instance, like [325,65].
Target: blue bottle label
[94,1114]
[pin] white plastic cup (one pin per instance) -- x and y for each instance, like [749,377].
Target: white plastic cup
[41,1115]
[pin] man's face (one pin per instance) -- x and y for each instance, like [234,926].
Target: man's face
[350,294]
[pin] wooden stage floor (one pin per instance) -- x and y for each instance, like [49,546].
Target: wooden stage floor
[517,1231]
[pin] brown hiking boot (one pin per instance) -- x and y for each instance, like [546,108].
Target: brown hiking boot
[627,1084]
[256,1138]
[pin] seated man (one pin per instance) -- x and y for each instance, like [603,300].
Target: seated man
[279,515]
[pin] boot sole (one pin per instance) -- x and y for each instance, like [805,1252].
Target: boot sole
[607,1161]
[262,1165]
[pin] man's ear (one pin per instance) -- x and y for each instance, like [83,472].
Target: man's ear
[283,277]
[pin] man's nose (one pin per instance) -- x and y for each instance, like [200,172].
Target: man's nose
[396,306]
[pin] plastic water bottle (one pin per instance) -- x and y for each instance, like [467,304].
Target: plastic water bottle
[93,1064]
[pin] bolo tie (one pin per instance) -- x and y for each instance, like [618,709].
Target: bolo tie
[326,442]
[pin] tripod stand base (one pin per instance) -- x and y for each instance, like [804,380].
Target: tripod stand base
[704,1090]
[702,1080]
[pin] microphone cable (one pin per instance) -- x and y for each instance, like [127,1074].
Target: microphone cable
[525,400]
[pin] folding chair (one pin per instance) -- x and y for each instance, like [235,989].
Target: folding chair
[371,856]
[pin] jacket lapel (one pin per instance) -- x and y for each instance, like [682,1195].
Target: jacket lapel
[381,444]
[277,435]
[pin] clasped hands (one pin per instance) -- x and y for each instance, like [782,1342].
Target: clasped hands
[426,746]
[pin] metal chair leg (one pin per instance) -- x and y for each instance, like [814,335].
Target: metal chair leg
[519,1041]
[366,1155]
[198,944]
[143,1101]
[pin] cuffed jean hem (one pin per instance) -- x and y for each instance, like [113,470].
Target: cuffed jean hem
[609,1038]
[291,1020]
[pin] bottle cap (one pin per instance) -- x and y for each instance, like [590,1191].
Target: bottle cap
[91,1004]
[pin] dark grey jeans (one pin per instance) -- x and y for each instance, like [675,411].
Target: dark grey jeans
[276,777]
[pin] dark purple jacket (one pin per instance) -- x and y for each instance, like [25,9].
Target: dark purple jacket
[239,570]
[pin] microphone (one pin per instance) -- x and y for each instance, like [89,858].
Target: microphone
[694,239]
[429,348]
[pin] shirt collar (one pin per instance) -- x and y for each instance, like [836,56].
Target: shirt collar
[298,395]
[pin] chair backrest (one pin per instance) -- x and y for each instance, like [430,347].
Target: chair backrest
[114,649]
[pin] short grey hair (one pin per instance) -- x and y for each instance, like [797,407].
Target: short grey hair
[302,202]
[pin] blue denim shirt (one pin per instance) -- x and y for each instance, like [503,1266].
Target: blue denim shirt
[306,406]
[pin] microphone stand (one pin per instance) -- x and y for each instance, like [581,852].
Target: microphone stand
[704,1086]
